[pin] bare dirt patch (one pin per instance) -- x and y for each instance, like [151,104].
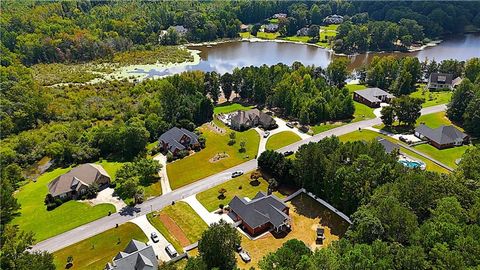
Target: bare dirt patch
[218,157]
[174,229]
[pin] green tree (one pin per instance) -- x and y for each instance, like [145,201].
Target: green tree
[472,69]
[227,85]
[407,109]
[288,256]
[337,71]
[9,203]
[387,116]
[471,117]
[461,97]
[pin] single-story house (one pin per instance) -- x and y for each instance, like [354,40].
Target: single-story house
[442,137]
[440,81]
[302,31]
[243,120]
[136,256]
[180,29]
[76,181]
[262,213]
[177,139]
[271,28]
[243,28]
[372,97]
[333,19]
[389,146]
[279,15]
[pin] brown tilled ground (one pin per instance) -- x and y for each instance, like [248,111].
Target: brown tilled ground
[174,229]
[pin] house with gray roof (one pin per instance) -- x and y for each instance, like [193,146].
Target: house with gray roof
[136,256]
[372,97]
[243,120]
[333,19]
[76,181]
[389,146]
[440,81]
[177,139]
[271,28]
[262,213]
[442,137]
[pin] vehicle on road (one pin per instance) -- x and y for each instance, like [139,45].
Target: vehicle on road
[290,125]
[171,250]
[245,256]
[287,153]
[266,134]
[154,237]
[237,174]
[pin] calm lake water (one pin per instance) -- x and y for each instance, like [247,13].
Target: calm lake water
[226,56]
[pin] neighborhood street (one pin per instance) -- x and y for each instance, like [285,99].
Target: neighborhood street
[127,214]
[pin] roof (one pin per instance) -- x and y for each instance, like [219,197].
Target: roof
[442,135]
[271,26]
[241,117]
[371,94]
[173,136]
[443,78]
[260,210]
[136,256]
[82,175]
[180,29]
[457,81]
[388,145]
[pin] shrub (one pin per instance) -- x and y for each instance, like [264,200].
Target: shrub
[170,157]
[221,206]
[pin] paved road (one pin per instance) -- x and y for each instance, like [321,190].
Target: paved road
[100,225]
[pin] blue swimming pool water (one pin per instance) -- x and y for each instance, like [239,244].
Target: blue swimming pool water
[411,164]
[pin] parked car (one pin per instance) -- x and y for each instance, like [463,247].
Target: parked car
[245,256]
[266,134]
[238,248]
[287,153]
[236,174]
[171,250]
[154,237]
[290,125]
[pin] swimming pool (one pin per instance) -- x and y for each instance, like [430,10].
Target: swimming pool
[412,164]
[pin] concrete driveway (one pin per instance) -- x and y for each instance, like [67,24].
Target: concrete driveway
[163,173]
[106,196]
[208,217]
[147,229]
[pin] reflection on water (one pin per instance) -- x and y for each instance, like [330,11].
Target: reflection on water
[227,56]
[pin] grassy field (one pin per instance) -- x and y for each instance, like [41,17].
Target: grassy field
[96,251]
[282,139]
[433,120]
[49,74]
[199,165]
[307,214]
[303,39]
[228,108]
[354,87]
[432,98]
[324,127]
[265,35]
[369,135]
[446,156]
[35,217]
[209,198]
[190,224]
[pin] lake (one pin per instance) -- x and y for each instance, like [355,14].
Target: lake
[225,57]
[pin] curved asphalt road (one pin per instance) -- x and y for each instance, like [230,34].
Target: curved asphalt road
[100,225]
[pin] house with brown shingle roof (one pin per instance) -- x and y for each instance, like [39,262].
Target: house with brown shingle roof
[77,180]
[243,120]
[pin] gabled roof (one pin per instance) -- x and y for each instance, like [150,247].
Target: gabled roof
[173,136]
[371,94]
[443,78]
[242,117]
[388,145]
[260,210]
[442,135]
[82,175]
[136,256]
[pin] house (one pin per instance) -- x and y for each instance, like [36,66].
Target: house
[77,180]
[180,29]
[388,145]
[333,19]
[456,82]
[279,15]
[442,137]
[136,256]
[440,81]
[177,139]
[243,28]
[262,213]
[271,28]
[302,32]
[372,97]
[247,119]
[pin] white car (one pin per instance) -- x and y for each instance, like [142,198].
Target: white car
[245,256]
[154,237]
[236,174]
[171,250]
[266,134]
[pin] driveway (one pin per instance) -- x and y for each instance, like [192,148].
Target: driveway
[106,196]
[147,229]
[378,110]
[163,173]
[208,217]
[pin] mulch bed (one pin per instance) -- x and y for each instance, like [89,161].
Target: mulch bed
[174,229]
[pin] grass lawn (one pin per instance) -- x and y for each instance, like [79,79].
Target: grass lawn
[45,224]
[265,35]
[190,225]
[209,198]
[303,39]
[324,127]
[433,120]
[189,169]
[432,98]
[446,156]
[362,112]
[228,108]
[96,251]
[246,35]
[354,87]
[307,214]
[369,135]
[282,139]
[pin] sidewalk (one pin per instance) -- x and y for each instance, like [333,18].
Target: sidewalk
[163,173]
[208,217]
[147,229]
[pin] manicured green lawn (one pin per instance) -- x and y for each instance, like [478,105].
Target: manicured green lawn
[432,98]
[189,169]
[246,35]
[265,35]
[209,198]
[96,251]
[362,112]
[446,156]
[45,224]
[228,108]
[282,139]
[324,127]
[354,87]
[435,120]
[303,39]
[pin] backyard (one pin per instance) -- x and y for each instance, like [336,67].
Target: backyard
[432,98]
[447,156]
[307,214]
[217,156]
[282,139]
[179,224]
[241,186]
[98,250]
[45,224]
[230,107]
